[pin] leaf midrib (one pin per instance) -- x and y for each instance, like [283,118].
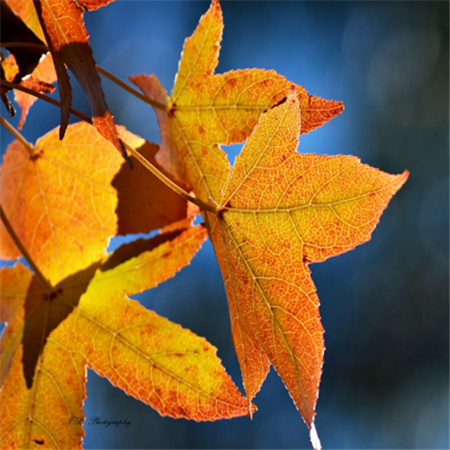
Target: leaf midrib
[265,298]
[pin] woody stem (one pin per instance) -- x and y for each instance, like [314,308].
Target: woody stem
[46,98]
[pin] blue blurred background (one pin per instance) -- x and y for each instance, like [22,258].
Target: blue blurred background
[385,305]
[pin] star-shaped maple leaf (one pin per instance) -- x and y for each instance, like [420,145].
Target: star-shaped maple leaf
[274,212]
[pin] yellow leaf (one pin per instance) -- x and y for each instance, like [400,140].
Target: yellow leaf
[205,110]
[178,372]
[158,362]
[37,417]
[27,12]
[60,201]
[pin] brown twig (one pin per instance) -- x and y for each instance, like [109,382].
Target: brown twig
[46,98]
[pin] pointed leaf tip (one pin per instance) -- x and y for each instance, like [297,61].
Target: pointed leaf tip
[201,50]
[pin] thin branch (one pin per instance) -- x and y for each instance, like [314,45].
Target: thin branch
[130,89]
[168,182]
[18,136]
[22,249]
[104,72]
[46,98]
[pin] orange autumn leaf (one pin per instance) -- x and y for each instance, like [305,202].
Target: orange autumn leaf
[207,109]
[68,41]
[278,212]
[274,212]
[60,200]
[156,361]
[67,200]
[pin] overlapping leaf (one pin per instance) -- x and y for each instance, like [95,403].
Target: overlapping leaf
[206,109]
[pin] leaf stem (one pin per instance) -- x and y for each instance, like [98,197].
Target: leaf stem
[168,182]
[20,246]
[48,99]
[18,136]
[147,164]
[130,89]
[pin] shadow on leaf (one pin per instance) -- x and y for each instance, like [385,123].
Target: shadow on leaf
[47,307]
